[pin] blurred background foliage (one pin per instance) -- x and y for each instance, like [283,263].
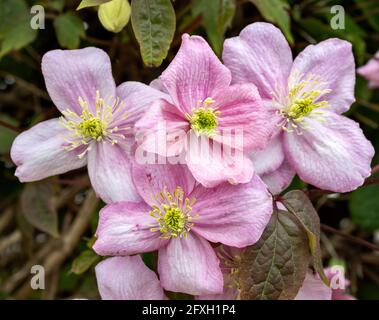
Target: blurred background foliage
[52,222]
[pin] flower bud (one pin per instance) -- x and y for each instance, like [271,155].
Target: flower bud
[114,15]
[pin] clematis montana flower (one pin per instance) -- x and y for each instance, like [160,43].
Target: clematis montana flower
[370,71]
[202,110]
[305,98]
[178,218]
[96,126]
[127,278]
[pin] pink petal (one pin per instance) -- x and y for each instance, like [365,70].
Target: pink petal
[370,71]
[39,152]
[150,180]
[333,60]
[194,74]
[211,163]
[109,171]
[313,289]
[162,130]
[72,73]
[241,109]
[233,215]
[127,278]
[190,265]
[259,55]
[124,229]
[333,155]
[279,179]
[270,158]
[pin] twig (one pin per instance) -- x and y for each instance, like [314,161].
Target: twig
[6,218]
[350,237]
[9,240]
[9,126]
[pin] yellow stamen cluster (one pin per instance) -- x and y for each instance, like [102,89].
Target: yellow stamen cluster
[204,119]
[93,126]
[300,101]
[173,214]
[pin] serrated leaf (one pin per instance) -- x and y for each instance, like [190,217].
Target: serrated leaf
[90,3]
[364,207]
[85,261]
[275,267]
[298,204]
[276,11]
[38,206]
[69,29]
[217,17]
[153,23]
[15,30]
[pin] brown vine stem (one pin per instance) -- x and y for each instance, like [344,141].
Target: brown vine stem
[9,126]
[350,237]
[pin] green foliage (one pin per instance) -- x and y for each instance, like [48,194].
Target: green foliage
[6,135]
[84,261]
[153,23]
[217,17]
[277,12]
[69,29]
[364,207]
[38,206]
[90,3]
[370,11]
[15,30]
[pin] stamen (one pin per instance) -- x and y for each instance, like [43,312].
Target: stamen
[173,215]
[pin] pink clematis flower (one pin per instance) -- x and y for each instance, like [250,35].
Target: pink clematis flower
[202,107]
[127,278]
[178,218]
[305,98]
[96,127]
[370,71]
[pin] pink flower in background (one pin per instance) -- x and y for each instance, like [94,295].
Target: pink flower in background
[370,71]
[314,289]
[202,104]
[127,278]
[305,98]
[96,128]
[178,218]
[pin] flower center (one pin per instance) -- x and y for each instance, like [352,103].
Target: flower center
[173,214]
[300,102]
[93,126]
[204,119]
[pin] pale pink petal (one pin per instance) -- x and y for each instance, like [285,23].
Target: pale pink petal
[229,293]
[124,229]
[70,74]
[162,130]
[279,179]
[195,74]
[190,265]
[313,289]
[151,180]
[127,278]
[233,215]
[333,61]
[259,55]
[241,109]
[332,155]
[370,71]
[212,163]
[270,158]
[40,152]
[109,171]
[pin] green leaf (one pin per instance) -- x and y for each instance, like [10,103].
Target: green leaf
[276,11]
[7,135]
[90,3]
[275,267]
[38,206]
[364,207]
[153,23]
[15,30]
[217,17]
[69,28]
[370,11]
[85,260]
[298,203]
